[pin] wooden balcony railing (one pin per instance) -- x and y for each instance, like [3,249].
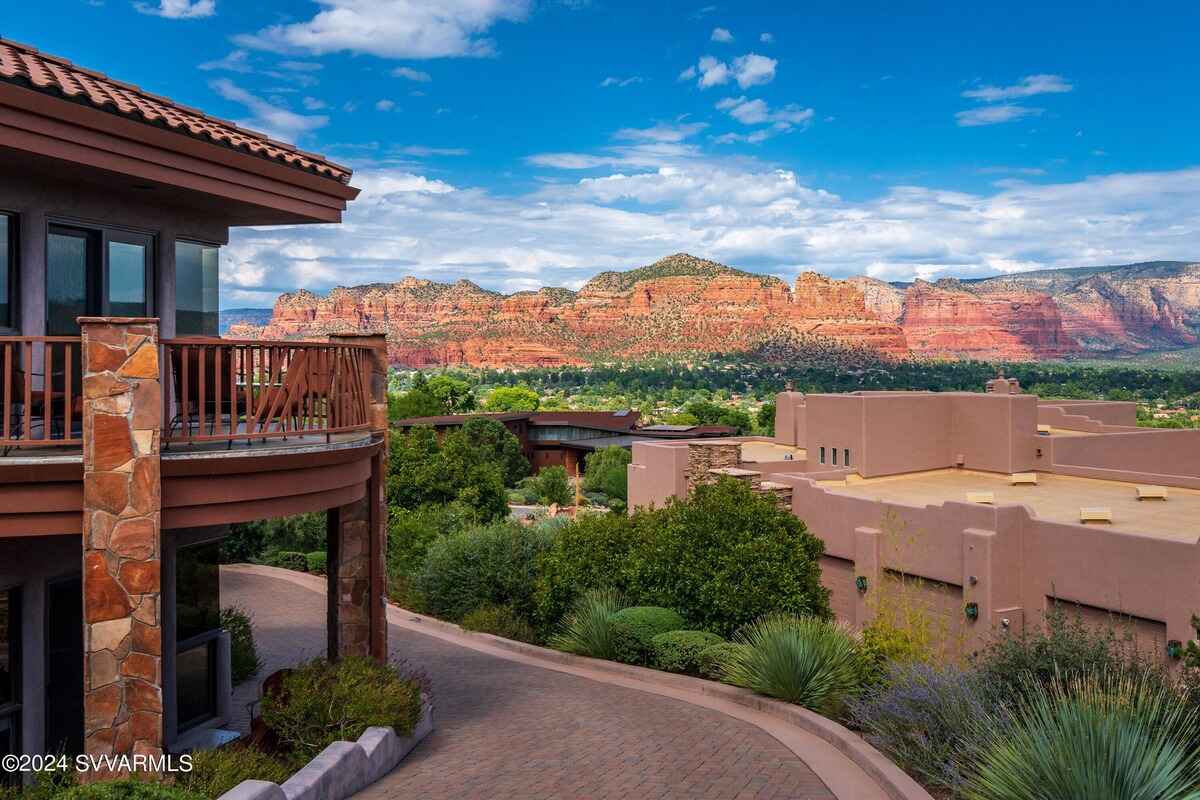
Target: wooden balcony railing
[230,390]
[41,394]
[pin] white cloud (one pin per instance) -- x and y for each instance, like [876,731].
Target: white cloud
[421,151]
[757,112]
[767,38]
[749,70]
[301,66]
[270,118]
[412,74]
[721,35]
[1027,87]
[385,105]
[314,104]
[612,81]
[662,132]
[393,28]
[733,210]
[992,115]
[235,61]
[179,9]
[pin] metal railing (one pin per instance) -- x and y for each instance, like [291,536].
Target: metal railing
[224,390]
[41,395]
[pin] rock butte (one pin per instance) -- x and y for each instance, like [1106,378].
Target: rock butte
[687,305]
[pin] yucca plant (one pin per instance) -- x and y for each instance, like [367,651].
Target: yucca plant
[1097,737]
[803,660]
[587,630]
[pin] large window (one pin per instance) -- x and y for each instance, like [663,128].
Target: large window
[197,626]
[8,271]
[196,272]
[10,672]
[95,273]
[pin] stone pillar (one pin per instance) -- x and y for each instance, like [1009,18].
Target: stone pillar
[122,543]
[357,532]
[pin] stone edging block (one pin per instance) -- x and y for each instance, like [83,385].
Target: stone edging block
[342,768]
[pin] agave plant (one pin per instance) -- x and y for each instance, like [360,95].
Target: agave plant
[1101,737]
[803,660]
[587,630]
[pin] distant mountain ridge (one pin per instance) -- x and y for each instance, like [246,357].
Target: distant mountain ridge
[682,304]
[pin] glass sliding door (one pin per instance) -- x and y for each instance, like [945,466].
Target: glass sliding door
[71,289]
[127,277]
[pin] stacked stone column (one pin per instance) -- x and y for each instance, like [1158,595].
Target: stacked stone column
[122,543]
[357,533]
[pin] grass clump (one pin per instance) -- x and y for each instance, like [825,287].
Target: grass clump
[711,661]
[499,621]
[588,628]
[679,651]
[215,772]
[128,789]
[634,629]
[803,660]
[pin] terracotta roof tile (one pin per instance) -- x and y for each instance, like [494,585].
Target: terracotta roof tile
[24,65]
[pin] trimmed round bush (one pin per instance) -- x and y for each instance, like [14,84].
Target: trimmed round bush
[634,629]
[128,790]
[803,660]
[322,702]
[215,772]
[316,562]
[711,661]
[679,651]
[499,621]
[288,559]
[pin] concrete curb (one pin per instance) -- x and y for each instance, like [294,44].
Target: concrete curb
[848,765]
[342,768]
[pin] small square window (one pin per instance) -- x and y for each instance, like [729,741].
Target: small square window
[822,455]
[846,457]
[835,456]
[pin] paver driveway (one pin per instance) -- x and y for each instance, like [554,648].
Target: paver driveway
[510,730]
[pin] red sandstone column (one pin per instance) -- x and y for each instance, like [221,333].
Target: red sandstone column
[357,532]
[122,547]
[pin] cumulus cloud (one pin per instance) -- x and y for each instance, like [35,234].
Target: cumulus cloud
[178,9]
[1028,86]
[749,70]
[757,112]
[993,115]
[392,28]
[411,74]
[269,117]
[652,198]
[721,35]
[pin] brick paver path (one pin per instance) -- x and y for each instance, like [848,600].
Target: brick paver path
[510,731]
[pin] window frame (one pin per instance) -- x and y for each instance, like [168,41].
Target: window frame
[846,457]
[175,265]
[822,454]
[98,237]
[13,221]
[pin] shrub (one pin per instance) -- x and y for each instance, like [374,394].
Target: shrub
[1105,736]
[594,551]
[128,789]
[712,660]
[919,715]
[679,651]
[288,559]
[423,470]
[1061,647]
[316,561]
[498,445]
[322,702]
[494,565]
[608,472]
[410,533]
[634,629]
[587,630]
[803,660]
[726,557]
[552,486]
[254,541]
[243,652]
[215,772]
[500,621]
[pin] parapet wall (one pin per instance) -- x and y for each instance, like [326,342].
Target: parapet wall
[1142,455]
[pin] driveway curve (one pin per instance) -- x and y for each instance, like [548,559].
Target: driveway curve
[507,729]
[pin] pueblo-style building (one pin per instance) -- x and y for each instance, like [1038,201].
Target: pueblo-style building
[567,438]
[130,436]
[981,509]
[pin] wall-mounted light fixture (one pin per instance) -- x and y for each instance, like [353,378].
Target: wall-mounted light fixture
[860,583]
[972,610]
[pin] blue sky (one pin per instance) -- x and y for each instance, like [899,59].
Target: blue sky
[521,143]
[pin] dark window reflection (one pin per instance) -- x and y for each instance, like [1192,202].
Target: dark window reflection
[195,684]
[66,282]
[197,590]
[196,304]
[7,271]
[10,673]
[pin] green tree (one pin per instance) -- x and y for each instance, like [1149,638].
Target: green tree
[512,398]
[553,486]
[499,446]
[456,396]
[422,470]
[766,419]
[414,403]
[607,471]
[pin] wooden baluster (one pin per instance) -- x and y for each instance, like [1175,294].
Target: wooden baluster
[186,402]
[8,400]
[68,400]
[201,380]
[47,389]
[217,389]
[27,431]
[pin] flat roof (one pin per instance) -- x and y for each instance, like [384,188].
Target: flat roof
[1057,498]
[769,451]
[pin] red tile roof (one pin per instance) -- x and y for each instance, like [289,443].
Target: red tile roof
[25,66]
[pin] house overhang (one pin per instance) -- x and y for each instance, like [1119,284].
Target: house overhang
[242,188]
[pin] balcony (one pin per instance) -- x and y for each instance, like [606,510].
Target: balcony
[217,395]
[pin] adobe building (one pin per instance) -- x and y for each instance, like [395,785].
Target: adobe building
[988,506]
[130,436]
